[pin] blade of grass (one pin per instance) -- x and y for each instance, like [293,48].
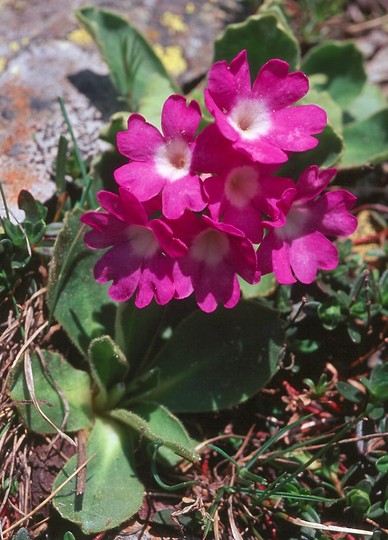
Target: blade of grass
[60,164]
[272,440]
[155,446]
[87,180]
[4,201]
[286,478]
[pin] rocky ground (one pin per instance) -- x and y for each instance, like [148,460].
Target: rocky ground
[44,54]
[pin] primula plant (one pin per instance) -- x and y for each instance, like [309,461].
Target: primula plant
[210,254]
[186,218]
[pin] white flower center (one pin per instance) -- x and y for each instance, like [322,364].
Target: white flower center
[173,159]
[250,118]
[143,241]
[241,185]
[294,227]
[210,246]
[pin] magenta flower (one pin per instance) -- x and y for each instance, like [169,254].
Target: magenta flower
[162,163]
[258,119]
[300,248]
[240,190]
[141,255]
[217,253]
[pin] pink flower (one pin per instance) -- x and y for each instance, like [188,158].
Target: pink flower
[142,252]
[240,190]
[163,162]
[258,119]
[217,253]
[300,248]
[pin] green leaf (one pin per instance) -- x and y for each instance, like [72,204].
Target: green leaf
[266,286]
[117,122]
[331,313]
[136,328]
[108,367]
[376,510]
[22,534]
[131,60]
[34,230]
[264,37]
[140,384]
[377,384]
[331,107]
[107,361]
[354,331]
[155,93]
[304,346]
[276,8]
[113,492]
[359,500]
[360,310]
[382,464]
[214,361]
[74,298]
[350,392]
[375,413]
[15,233]
[342,64]
[55,383]
[157,424]
[34,210]
[69,536]
[325,154]
[367,103]
[366,141]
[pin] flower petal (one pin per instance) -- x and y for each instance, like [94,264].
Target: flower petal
[182,194]
[292,127]
[273,256]
[220,116]
[141,179]
[221,87]
[239,66]
[112,233]
[124,207]
[333,209]
[174,247]
[310,253]
[278,87]
[213,288]
[180,121]
[122,269]
[277,195]
[247,219]
[182,278]
[312,182]
[210,151]
[155,282]
[262,150]
[141,139]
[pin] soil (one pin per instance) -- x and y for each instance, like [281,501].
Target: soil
[46,460]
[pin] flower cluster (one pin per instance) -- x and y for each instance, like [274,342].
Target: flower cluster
[193,212]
